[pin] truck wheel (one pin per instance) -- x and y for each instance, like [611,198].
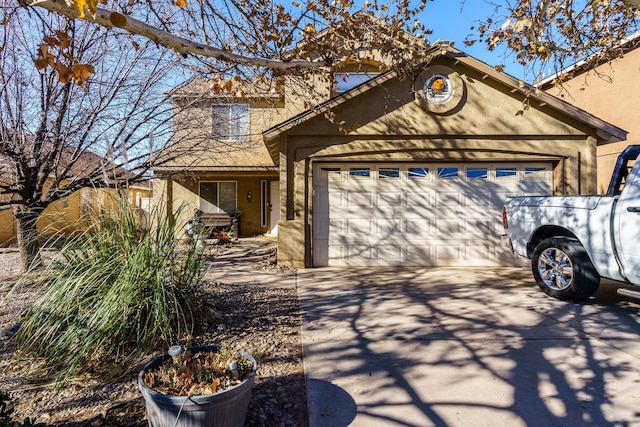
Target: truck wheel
[563,270]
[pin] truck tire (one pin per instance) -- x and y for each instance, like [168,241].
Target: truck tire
[563,270]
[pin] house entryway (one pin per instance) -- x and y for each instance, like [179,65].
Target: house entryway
[417,214]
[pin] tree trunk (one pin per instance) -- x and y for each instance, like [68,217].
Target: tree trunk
[28,243]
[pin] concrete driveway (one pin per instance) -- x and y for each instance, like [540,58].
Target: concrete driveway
[464,347]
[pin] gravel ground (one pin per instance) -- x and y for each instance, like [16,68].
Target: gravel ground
[262,319]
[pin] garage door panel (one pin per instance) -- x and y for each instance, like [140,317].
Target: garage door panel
[446,252]
[481,255]
[420,253]
[336,227]
[359,199]
[390,200]
[335,199]
[532,188]
[449,228]
[354,252]
[389,226]
[449,198]
[481,202]
[498,228]
[356,226]
[478,228]
[392,253]
[418,227]
[415,215]
[421,200]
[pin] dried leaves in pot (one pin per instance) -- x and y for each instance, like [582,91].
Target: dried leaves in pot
[201,373]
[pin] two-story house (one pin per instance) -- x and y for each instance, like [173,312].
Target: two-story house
[386,169]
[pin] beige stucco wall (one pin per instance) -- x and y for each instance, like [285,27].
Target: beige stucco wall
[194,147]
[613,94]
[304,93]
[387,123]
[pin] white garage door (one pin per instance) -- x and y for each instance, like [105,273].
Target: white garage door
[417,214]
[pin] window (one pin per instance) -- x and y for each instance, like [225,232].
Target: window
[264,203]
[535,173]
[218,197]
[475,173]
[389,173]
[360,172]
[438,89]
[333,173]
[346,81]
[418,173]
[230,122]
[506,172]
[448,173]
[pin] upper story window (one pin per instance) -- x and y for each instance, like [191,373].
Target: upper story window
[230,122]
[346,81]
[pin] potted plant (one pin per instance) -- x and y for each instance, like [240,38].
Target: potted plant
[202,386]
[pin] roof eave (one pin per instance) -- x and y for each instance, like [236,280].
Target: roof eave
[604,130]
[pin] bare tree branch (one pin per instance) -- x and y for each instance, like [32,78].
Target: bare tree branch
[181,45]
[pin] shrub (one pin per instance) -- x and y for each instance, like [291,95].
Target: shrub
[120,291]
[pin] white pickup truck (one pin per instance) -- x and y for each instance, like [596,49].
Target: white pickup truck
[574,241]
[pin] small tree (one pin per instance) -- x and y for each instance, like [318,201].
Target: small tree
[80,107]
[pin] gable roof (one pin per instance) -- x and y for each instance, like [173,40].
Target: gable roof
[605,131]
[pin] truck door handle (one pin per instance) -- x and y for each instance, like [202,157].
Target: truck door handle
[633,209]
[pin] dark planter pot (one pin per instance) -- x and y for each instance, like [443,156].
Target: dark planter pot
[227,408]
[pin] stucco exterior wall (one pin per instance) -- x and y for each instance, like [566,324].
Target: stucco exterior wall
[386,123]
[302,94]
[7,228]
[195,148]
[613,94]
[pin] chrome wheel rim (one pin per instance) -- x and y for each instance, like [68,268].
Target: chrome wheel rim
[555,269]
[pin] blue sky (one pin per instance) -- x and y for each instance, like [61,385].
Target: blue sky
[449,22]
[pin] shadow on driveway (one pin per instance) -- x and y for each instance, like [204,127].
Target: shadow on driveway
[464,347]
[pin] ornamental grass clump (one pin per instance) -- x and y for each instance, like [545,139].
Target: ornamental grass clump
[120,291]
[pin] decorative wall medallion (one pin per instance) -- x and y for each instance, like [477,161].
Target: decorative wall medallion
[439,89]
